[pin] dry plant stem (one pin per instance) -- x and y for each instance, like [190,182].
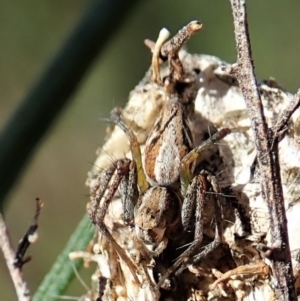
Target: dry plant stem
[267,154]
[259,268]
[15,273]
[29,238]
[287,113]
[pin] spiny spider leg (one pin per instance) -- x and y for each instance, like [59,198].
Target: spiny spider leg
[113,177]
[97,190]
[193,204]
[115,116]
[218,210]
[192,156]
[129,194]
[170,50]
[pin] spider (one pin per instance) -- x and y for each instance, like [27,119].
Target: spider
[151,204]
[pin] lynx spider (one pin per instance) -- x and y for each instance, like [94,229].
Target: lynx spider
[150,202]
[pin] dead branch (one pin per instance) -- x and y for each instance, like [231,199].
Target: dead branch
[267,155]
[287,113]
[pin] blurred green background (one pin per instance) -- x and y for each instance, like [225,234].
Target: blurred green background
[32,31]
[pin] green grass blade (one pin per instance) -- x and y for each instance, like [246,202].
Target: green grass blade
[61,274]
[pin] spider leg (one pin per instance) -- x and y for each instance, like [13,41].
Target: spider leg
[218,210]
[98,189]
[129,194]
[97,213]
[162,37]
[170,50]
[219,217]
[192,204]
[192,156]
[116,117]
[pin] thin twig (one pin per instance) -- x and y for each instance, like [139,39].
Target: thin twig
[29,238]
[287,113]
[15,272]
[267,154]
